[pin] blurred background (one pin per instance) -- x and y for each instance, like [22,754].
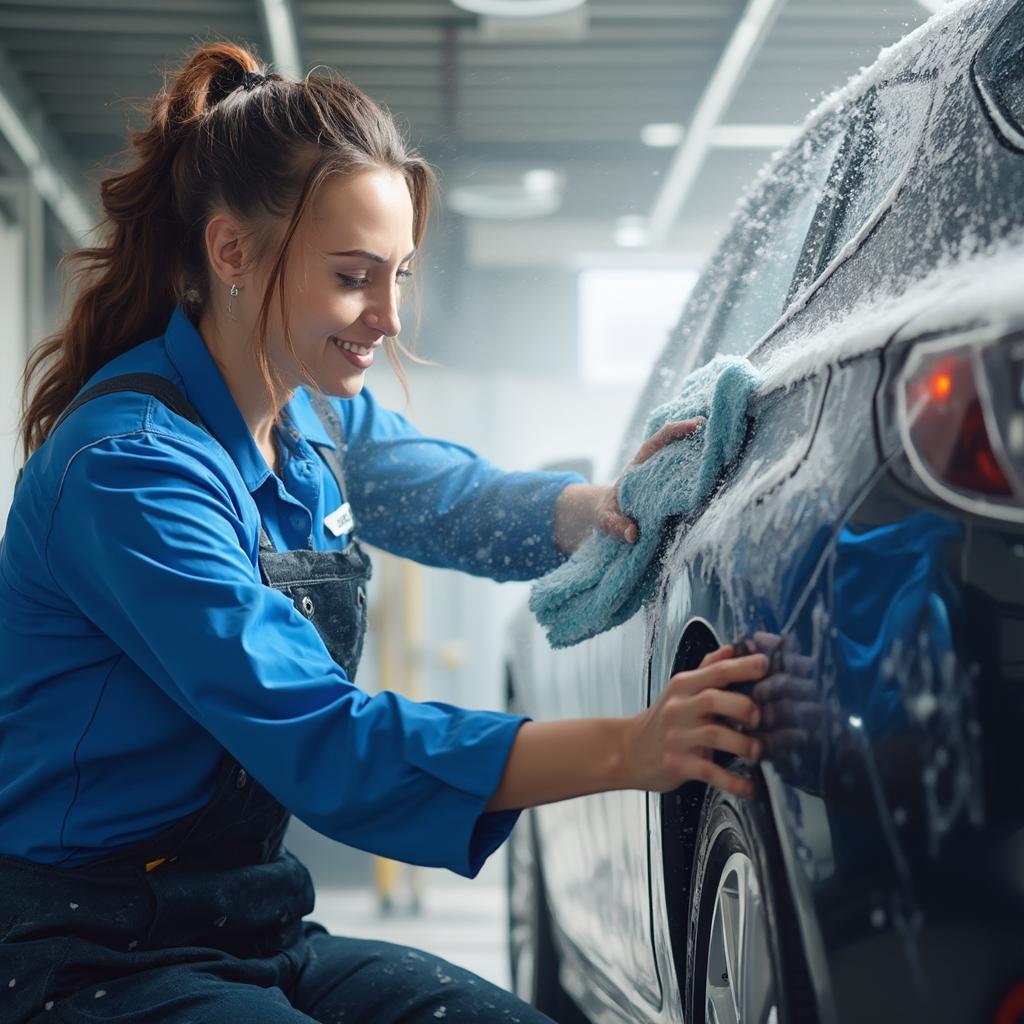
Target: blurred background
[589,155]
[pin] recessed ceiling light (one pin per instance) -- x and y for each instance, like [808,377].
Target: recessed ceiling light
[542,180]
[502,202]
[518,8]
[666,133]
[632,231]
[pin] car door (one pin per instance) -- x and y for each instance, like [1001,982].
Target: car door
[746,562]
[595,849]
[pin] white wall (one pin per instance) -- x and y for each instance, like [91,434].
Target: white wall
[12,355]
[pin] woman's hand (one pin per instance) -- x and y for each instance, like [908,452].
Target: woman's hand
[609,516]
[661,748]
[672,741]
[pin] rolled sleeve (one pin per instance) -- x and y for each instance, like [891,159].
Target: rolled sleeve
[442,504]
[165,565]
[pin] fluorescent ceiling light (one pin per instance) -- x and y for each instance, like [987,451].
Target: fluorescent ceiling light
[518,8]
[662,134]
[752,136]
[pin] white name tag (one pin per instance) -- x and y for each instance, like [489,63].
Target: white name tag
[340,520]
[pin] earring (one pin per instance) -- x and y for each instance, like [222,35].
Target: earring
[232,292]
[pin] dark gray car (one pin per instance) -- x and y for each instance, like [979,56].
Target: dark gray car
[871,536]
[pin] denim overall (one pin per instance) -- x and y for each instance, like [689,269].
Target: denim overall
[203,922]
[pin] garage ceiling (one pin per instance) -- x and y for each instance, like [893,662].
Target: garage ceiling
[484,99]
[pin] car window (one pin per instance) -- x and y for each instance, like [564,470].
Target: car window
[741,287]
[886,143]
[999,76]
[775,223]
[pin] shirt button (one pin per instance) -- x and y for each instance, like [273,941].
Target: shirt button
[241,778]
[299,522]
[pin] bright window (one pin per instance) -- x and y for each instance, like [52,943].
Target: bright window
[624,319]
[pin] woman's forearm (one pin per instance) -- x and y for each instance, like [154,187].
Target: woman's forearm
[552,761]
[576,514]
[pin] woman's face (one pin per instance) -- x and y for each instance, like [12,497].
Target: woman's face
[350,254]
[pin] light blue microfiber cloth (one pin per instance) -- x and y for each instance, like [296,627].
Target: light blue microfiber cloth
[605,580]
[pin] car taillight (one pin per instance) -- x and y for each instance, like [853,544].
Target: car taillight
[1011,1009]
[961,419]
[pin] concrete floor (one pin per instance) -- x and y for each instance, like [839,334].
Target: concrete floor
[465,921]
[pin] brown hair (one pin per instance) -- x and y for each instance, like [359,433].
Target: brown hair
[215,137]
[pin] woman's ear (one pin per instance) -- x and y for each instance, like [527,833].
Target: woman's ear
[225,242]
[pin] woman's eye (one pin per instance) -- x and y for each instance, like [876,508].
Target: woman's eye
[361,282]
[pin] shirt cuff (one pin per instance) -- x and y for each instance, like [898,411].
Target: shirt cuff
[474,769]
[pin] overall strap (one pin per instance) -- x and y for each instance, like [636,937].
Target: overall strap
[160,388]
[149,384]
[334,458]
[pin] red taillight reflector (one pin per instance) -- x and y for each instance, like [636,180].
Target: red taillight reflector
[944,425]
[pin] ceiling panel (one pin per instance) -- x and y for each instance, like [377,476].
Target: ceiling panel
[479,105]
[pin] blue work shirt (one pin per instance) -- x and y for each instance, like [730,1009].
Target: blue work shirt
[138,640]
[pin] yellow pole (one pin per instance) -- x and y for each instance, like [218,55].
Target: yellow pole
[400,668]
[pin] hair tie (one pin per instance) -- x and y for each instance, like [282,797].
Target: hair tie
[250,79]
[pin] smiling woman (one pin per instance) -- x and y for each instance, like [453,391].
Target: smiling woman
[340,294]
[183,589]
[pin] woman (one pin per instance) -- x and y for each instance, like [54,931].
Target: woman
[183,590]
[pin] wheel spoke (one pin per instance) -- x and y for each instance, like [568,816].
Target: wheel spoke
[740,986]
[719,1005]
[757,995]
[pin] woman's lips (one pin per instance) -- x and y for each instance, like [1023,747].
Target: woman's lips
[363,362]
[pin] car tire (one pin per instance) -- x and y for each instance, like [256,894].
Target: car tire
[533,958]
[743,955]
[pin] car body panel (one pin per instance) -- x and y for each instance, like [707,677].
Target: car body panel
[895,808]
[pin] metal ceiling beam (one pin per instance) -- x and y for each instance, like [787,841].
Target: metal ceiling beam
[421,10]
[42,154]
[278,20]
[746,39]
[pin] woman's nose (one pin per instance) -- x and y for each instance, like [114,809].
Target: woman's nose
[382,314]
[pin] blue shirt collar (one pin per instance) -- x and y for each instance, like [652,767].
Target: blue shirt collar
[305,420]
[207,390]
